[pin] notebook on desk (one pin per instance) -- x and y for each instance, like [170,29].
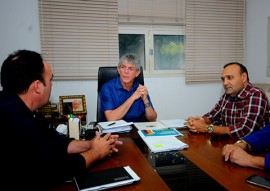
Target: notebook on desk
[105,179]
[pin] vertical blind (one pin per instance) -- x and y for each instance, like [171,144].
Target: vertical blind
[152,11]
[79,36]
[214,37]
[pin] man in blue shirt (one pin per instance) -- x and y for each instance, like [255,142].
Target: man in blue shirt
[239,153]
[123,97]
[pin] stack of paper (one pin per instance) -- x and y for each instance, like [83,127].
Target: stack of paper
[161,144]
[160,140]
[119,126]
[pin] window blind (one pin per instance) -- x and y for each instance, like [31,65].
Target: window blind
[152,11]
[79,36]
[214,37]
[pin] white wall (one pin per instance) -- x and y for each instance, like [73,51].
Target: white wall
[256,40]
[172,98]
[19,26]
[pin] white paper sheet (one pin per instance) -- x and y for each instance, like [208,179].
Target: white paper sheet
[174,123]
[149,125]
[161,144]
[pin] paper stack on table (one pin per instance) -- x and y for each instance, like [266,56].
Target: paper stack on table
[161,144]
[160,140]
[120,126]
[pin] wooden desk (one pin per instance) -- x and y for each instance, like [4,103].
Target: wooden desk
[207,156]
[129,155]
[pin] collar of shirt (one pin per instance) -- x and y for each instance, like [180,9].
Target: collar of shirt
[242,95]
[118,84]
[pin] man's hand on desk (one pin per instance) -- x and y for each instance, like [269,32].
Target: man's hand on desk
[196,124]
[204,125]
[116,142]
[236,154]
[100,147]
[105,145]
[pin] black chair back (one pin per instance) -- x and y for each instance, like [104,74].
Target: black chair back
[105,74]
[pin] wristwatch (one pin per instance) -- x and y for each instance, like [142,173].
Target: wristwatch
[247,146]
[147,105]
[210,128]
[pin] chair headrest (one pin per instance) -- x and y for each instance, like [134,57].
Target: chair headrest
[107,73]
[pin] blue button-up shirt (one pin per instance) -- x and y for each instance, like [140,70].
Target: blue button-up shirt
[113,95]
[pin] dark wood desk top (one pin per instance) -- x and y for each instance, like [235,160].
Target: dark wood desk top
[129,155]
[206,155]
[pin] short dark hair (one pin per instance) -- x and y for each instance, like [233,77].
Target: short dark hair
[243,69]
[20,69]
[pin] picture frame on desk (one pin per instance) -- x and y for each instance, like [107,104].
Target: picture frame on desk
[54,107]
[72,104]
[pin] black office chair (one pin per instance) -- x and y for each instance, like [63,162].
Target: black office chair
[105,74]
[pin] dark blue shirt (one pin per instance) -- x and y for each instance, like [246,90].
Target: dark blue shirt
[113,95]
[34,157]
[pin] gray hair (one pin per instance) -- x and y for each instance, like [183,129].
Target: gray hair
[130,58]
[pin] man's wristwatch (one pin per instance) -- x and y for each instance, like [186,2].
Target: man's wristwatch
[247,147]
[210,128]
[147,105]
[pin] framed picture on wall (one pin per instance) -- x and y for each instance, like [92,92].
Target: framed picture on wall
[72,104]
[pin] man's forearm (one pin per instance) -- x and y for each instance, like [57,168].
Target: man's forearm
[119,112]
